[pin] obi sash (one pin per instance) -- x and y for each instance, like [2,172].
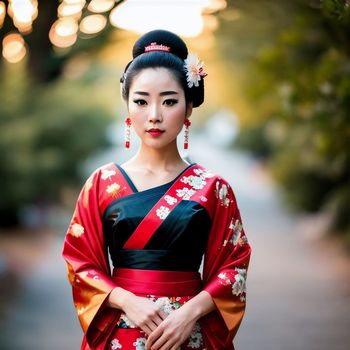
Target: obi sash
[167,283]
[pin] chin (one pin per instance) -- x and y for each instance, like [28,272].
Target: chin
[157,144]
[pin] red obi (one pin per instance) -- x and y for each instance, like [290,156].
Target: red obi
[147,282]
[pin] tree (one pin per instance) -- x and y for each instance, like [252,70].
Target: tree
[302,85]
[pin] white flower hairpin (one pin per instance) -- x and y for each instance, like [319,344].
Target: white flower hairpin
[194,70]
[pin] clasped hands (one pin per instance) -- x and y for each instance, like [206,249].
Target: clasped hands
[165,332]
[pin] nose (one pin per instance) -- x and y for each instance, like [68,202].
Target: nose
[155,114]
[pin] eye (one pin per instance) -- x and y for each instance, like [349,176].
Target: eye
[170,102]
[140,102]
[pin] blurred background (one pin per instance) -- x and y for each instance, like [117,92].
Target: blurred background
[275,124]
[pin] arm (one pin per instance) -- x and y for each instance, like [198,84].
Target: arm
[88,270]
[97,298]
[225,268]
[199,305]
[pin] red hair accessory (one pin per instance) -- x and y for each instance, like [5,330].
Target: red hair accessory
[157,47]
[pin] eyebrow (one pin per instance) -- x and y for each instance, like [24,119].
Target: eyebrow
[163,93]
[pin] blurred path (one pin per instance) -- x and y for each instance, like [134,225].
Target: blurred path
[40,314]
[297,290]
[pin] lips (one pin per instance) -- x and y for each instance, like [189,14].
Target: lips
[155,132]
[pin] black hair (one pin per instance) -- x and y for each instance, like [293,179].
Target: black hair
[172,60]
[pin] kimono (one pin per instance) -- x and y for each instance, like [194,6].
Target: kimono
[155,240]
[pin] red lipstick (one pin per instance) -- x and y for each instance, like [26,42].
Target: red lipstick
[155,132]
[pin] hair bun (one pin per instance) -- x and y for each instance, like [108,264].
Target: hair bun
[161,37]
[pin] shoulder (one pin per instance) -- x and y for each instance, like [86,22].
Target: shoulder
[102,172]
[208,173]
[108,184]
[219,185]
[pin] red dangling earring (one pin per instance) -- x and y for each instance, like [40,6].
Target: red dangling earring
[127,132]
[187,124]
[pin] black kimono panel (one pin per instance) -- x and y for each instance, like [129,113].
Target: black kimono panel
[177,245]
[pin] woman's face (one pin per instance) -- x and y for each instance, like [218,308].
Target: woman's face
[157,101]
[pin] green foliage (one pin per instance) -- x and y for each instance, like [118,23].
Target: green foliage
[301,87]
[46,131]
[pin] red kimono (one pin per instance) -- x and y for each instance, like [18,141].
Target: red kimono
[155,240]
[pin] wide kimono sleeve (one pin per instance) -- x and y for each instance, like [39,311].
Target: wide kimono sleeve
[86,255]
[225,268]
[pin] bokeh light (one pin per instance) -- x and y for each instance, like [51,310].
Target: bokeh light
[63,32]
[2,13]
[99,6]
[141,17]
[23,13]
[13,47]
[92,24]
[69,9]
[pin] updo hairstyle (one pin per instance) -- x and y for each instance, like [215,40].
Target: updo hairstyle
[172,60]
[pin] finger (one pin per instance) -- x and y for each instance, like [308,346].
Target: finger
[144,327]
[170,345]
[162,314]
[162,343]
[157,319]
[154,336]
[152,325]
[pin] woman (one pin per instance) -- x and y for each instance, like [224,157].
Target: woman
[157,216]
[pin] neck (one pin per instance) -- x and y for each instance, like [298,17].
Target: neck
[163,159]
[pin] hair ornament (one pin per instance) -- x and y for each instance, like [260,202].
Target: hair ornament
[194,70]
[157,47]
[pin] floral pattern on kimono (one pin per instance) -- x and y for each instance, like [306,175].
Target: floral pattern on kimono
[225,277]
[115,344]
[196,338]
[226,258]
[140,343]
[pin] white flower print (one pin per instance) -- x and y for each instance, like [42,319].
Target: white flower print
[113,189]
[106,174]
[239,286]
[115,344]
[162,212]
[203,198]
[224,279]
[222,193]
[185,193]
[196,182]
[170,200]
[195,338]
[140,343]
[202,173]
[167,305]
[237,230]
[76,230]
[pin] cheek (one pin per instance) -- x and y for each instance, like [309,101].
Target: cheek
[177,115]
[131,108]
[135,113]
